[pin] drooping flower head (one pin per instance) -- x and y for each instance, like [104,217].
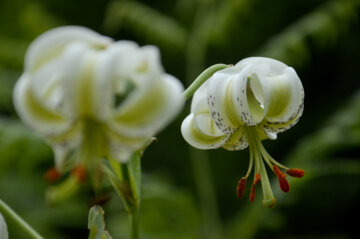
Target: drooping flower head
[242,105]
[83,92]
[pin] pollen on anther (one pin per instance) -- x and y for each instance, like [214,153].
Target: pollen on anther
[79,173]
[253,187]
[284,184]
[294,172]
[52,175]
[241,187]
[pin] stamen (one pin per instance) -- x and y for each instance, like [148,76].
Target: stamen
[294,172]
[253,187]
[268,158]
[284,184]
[52,175]
[79,172]
[241,187]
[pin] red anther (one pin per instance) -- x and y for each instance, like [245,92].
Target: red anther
[294,172]
[79,172]
[278,172]
[253,187]
[284,184]
[51,175]
[241,187]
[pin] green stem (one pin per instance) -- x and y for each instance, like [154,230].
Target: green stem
[134,224]
[10,214]
[204,76]
[127,182]
[206,191]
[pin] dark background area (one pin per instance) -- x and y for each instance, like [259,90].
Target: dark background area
[189,193]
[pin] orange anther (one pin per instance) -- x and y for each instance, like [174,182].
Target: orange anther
[253,187]
[79,172]
[52,175]
[278,172]
[241,187]
[294,172]
[284,184]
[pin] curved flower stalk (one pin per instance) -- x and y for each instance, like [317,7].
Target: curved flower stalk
[91,97]
[242,105]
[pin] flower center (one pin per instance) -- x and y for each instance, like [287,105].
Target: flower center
[258,155]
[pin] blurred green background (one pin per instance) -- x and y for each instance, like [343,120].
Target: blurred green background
[190,194]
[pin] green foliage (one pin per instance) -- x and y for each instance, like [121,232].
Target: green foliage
[322,28]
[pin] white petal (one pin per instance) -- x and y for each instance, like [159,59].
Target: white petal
[149,107]
[199,96]
[110,76]
[46,85]
[122,147]
[78,62]
[200,138]
[277,127]
[246,97]
[283,96]
[3,228]
[262,65]
[222,110]
[203,121]
[50,44]
[237,141]
[34,113]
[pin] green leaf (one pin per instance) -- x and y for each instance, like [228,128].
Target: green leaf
[96,224]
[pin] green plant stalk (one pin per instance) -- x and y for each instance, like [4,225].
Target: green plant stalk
[134,224]
[13,216]
[127,183]
[199,160]
[204,76]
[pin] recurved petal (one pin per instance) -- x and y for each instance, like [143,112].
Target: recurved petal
[262,65]
[277,127]
[77,63]
[46,85]
[122,147]
[219,100]
[199,131]
[111,81]
[34,113]
[283,96]
[203,121]
[149,107]
[246,97]
[199,96]
[50,44]
[237,141]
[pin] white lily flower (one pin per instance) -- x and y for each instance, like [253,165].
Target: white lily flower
[82,91]
[243,104]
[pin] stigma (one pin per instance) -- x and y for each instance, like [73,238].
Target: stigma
[259,157]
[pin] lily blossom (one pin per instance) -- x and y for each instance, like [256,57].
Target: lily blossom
[242,105]
[86,93]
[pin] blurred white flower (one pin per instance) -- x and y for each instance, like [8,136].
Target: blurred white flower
[3,228]
[83,91]
[241,105]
